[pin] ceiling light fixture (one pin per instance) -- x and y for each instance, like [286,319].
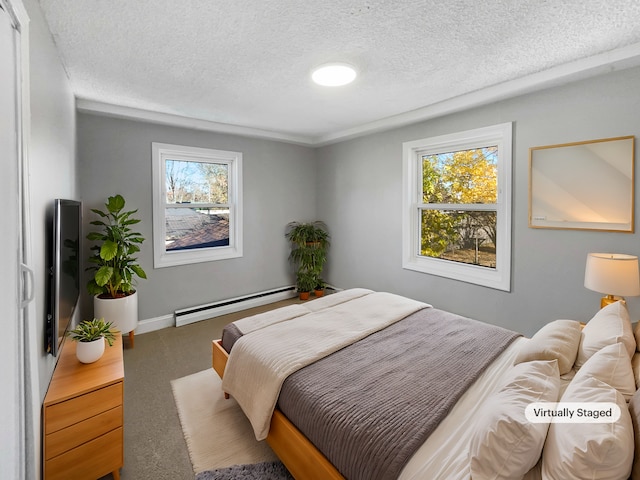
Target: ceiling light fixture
[334,74]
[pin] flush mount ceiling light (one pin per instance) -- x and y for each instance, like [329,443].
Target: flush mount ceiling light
[334,74]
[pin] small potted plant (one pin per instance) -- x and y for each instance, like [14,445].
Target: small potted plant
[318,290]
[90,335]
[305,282]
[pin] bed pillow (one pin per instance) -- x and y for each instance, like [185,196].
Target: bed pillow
[580,450]
[505,444]
[634,410]
[610,325]
[635,365]
[612,366]
[556,340]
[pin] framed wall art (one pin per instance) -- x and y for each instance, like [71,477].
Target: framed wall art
[583,185]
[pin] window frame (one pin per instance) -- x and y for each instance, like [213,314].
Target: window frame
[413,151]
[164,151]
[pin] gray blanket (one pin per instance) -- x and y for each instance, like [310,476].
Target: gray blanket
[369,406]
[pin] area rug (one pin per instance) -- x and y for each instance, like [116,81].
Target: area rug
[217,433]
[258,471]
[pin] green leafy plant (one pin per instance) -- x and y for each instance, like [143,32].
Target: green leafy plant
[90,330]
[309,246]
[113,262]
[305,282]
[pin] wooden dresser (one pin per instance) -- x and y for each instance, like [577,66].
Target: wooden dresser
[83,416]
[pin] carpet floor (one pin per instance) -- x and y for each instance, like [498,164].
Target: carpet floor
[216,430]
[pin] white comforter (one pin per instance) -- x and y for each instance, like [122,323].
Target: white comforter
[261,361]
[268,318]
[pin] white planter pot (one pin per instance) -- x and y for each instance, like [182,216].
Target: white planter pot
[89,352]
[121,312]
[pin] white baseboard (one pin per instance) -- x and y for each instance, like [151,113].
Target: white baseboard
[215,309]
[186,316]
[153,324]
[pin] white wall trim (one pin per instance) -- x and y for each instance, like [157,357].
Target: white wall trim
[619,59]
[500,135]
[212,310]
[119,111]
[232,305]
[162,152]
[156,323]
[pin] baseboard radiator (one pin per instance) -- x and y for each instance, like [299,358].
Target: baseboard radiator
[186,316]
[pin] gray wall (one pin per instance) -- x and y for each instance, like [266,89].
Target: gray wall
[359,195]
[278,187]
[52,159]
[355,186]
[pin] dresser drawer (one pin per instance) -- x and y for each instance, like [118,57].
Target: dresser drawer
[67,438]
[74,410]
[91,460]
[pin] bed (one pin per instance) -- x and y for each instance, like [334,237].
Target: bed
[346,386]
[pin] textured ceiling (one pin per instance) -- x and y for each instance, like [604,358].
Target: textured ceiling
[246,63]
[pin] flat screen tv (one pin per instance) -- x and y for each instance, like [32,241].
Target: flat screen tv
[64,279]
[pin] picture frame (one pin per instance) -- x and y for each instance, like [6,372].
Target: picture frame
[585,185]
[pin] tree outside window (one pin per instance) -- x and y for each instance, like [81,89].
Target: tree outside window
[456,179]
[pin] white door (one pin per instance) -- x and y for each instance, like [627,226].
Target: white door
[11,400]
[19,402]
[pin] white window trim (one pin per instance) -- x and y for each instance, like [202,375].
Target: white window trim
[500,135]
[164,151]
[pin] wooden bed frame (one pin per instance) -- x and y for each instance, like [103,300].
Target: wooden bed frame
[303,460]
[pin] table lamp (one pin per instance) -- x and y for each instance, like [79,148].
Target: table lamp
[614,274]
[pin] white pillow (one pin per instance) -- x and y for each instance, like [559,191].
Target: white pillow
[590,450]
[556,340]
[612,366]
[505,444]
[610,325]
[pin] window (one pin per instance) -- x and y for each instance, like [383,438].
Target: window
[197,204]
[457,206]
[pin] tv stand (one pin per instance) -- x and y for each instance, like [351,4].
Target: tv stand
[83,415]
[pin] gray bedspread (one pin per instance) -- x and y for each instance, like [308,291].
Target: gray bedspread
[369,406]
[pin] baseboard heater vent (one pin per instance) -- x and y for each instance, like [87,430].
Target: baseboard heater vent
[186,316]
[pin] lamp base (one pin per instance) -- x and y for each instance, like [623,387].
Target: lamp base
[609,299]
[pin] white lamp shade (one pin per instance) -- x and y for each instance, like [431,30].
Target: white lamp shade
[612,274]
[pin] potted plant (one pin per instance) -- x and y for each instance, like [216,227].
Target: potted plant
[115,266]
[309,246]
[318,290]
[305,282]
[90,335]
